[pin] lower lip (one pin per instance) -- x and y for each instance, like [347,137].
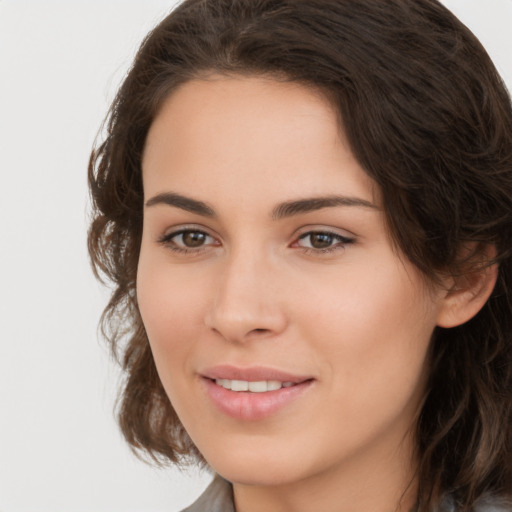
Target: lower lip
[244,405]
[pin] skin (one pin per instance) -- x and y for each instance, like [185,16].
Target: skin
[258,291]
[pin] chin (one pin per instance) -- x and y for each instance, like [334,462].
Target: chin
[271,474]
[258,464]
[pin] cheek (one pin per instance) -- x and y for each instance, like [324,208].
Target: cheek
[373,329]
[172,310]
[367,306]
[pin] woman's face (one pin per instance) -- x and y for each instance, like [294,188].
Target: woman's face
[266,267]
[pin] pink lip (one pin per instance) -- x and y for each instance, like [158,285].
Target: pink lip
[253,373]
[249,406]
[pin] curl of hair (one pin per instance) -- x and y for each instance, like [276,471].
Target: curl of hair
[428,118]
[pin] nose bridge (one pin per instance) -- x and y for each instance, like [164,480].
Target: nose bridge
[245,303]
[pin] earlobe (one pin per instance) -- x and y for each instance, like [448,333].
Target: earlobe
[468,293]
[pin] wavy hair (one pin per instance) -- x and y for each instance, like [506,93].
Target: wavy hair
[428,118]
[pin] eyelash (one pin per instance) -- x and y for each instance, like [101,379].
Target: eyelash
[341,242]
[167,240]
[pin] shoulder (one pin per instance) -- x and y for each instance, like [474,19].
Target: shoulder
[493,504]
[218,497]
[487,503]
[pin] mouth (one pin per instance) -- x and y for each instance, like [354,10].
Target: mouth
[255,393]
[259,386]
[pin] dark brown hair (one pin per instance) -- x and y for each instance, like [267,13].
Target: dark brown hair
[428,118]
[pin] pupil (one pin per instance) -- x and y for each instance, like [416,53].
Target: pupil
[321,240]
[193,238]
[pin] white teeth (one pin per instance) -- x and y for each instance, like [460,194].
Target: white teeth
[225,383]
[239,385]
[272,385]
[260,386]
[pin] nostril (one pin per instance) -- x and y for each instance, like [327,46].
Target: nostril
[259,331]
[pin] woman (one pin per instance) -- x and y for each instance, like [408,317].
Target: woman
[306,210]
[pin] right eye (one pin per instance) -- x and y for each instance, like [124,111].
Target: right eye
[188,240]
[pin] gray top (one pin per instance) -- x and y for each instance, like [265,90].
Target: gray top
[485,504]
[493,504]
[218,497]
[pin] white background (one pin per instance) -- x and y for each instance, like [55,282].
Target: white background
[60,64]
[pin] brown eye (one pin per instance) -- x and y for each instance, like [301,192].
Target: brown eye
[321,240]
[193,238]
[188,240]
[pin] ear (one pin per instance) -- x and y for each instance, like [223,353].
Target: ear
[467,293]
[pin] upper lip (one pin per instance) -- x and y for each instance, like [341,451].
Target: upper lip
[251,374]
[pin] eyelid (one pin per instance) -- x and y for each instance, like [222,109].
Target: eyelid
[343,238]
[319,228]
[179,228]
[170,233]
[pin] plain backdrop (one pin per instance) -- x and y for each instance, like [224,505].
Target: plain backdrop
[60,64]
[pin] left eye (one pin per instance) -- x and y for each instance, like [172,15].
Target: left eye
[189,239]
[319,240]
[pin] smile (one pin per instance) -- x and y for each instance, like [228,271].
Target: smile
[253,394]
[260,386]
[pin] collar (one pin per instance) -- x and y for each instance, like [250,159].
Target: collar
[218,497]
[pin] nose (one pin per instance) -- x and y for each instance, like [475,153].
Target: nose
[246,302]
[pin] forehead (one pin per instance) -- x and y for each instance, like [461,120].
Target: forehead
[250,135]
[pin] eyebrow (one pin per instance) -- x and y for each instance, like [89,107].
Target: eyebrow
[291,208]
[185,203]
[281,211]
